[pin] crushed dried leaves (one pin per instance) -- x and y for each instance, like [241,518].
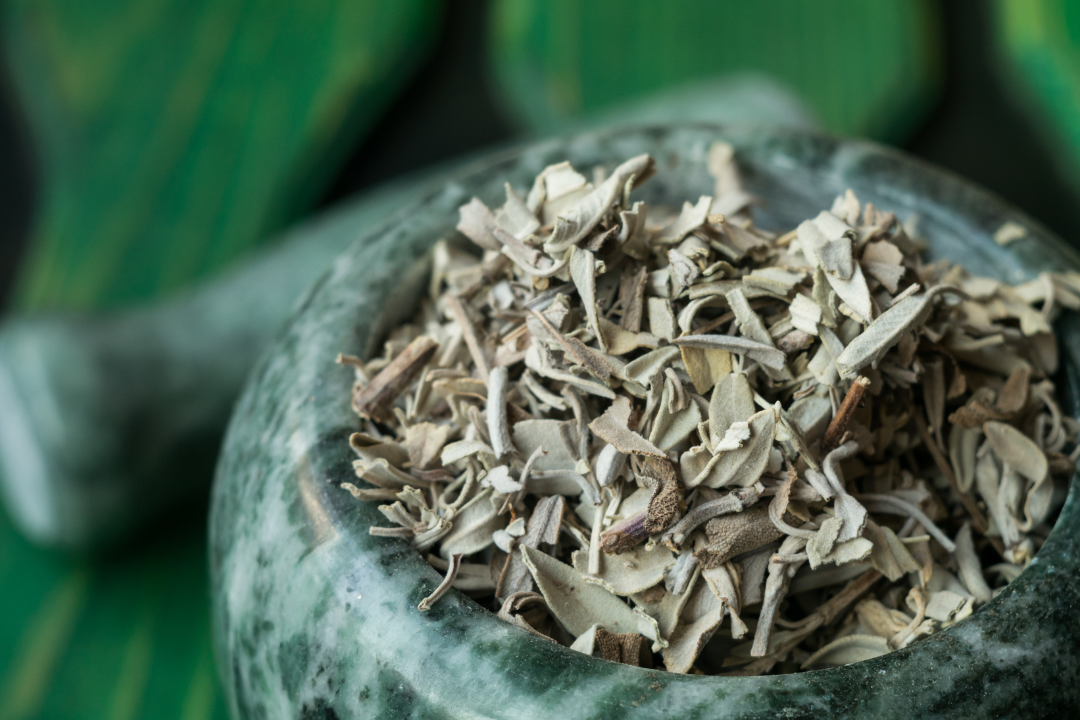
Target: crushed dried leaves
[620,428]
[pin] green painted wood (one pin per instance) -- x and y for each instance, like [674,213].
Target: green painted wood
[1040,43]
[865,68]
[108,639]
[173,135]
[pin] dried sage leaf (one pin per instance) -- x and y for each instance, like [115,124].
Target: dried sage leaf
[579,605]
[1017,450]
[612,428]
[850,649]
[700,619]
[744,465]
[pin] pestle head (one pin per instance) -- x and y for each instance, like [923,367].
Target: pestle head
[25,476]
[107,422]
[81,461]
[53,428]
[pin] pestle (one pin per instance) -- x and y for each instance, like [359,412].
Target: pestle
[108,421]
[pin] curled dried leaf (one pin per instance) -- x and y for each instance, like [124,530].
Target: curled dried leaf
[515,606]
[613,428]
[444,586]
[767,355]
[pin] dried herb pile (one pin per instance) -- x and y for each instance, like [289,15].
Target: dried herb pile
[677,433]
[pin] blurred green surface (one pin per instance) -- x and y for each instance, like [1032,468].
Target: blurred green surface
[117,638]
[865,68]
[1041,43]
[171,136]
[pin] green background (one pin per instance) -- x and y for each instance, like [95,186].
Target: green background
[171,138]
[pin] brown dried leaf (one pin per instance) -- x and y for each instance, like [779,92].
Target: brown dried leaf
[731,535]
[666,505]
[976,412]
[625,648]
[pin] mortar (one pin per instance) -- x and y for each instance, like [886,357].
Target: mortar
[315,618]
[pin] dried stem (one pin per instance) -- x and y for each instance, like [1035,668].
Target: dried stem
[476,349]
[978,520]
[375,398]
[451,575]
[835,432]
[498,429]
[731,503]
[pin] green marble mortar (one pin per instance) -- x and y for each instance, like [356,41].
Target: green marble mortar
[314,618]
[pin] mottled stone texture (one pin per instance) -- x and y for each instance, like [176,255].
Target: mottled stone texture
[314,618]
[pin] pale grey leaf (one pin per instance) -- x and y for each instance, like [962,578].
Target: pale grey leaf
[732,401]
[690,219]
[1017,449]
[579,605]
[767,355]
[742,466]
[576,222]
[632,571]
[701,617]
[848,649]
